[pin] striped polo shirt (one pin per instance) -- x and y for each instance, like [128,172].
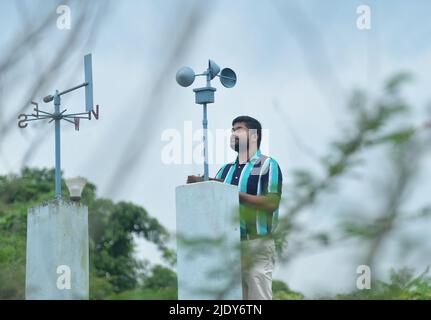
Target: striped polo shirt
[260,175]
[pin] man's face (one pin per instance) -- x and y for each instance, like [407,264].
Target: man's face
[239,137]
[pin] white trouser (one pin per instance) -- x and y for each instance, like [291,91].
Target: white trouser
[257,258]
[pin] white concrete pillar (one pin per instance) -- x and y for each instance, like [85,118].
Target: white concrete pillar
[57,251]
[208,211]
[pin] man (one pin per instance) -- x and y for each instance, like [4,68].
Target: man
[259,182]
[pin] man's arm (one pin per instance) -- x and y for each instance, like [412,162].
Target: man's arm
[271,185]
[268,202]
[194,179]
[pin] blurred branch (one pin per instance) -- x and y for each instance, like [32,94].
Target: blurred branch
[43,134]
[86,27]
[313,47]
[368,130]
[136,147]
[406,164]
[48,74]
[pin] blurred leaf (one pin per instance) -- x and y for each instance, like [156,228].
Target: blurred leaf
[393,85]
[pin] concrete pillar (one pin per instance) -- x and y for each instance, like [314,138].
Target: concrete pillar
[208,214]
[57,251]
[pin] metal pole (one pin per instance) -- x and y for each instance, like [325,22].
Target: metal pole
[74,88]
[57,147]
[205,125]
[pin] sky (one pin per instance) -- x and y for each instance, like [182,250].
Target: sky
[301,57]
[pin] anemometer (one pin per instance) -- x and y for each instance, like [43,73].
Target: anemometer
[186,76]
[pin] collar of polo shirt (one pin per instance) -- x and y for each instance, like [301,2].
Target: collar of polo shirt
[253,159]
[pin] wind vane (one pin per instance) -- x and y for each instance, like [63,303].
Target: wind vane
[186,76]
[57,116]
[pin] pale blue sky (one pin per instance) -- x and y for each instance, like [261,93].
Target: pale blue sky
[276,59]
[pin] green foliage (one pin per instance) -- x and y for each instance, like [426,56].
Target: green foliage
[12,265]
[161,277]
[159,282]
[113,241]
[371,125]
[147,294]
[281,291]
[366,129]
[403,285]
[379,123]
[394,84]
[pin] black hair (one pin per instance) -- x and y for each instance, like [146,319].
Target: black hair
[250,123]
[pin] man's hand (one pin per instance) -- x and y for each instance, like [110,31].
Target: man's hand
[267,202]
[194,179]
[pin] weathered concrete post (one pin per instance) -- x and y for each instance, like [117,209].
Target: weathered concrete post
[210,266]
[57,251]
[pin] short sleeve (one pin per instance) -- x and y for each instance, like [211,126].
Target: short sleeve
[271,179]
[219,174]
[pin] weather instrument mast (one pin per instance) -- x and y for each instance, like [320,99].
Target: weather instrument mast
[57,116]
[186,76]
